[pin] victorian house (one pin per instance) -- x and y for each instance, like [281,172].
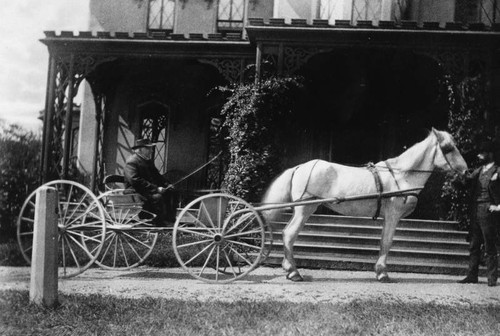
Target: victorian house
[148,68]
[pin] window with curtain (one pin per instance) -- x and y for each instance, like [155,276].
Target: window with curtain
[357,10]
[230,15]
[161,15]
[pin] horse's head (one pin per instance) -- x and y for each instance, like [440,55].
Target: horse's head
[447,156]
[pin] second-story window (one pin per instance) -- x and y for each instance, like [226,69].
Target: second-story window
[366,10]
[353,10]
[230,15]
[161,15]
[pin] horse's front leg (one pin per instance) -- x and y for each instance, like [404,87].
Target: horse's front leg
[290,234]
[388,231]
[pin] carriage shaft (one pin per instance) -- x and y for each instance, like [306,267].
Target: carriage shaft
[337,200]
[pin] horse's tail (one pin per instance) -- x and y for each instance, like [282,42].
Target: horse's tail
[278,192]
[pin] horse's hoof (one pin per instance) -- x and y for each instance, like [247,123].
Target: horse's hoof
[295,277]
[384,278]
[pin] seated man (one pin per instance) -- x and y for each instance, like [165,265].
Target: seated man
[142,175]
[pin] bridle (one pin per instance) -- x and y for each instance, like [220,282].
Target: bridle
[445,152]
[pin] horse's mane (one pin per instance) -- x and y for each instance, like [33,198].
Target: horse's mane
[444,139]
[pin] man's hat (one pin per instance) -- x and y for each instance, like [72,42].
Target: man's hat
[143,143]
[487,146]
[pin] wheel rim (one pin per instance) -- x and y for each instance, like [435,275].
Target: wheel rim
[81,227]
[219,238]
[129,240]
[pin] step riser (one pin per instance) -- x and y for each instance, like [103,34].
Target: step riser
[375,242]
[409,255]
[360,266]
[344,220]
[456,236]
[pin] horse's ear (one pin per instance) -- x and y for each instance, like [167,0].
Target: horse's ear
[438,135]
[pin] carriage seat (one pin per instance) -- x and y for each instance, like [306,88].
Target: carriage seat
[122,197]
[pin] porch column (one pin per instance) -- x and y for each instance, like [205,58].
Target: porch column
[68,118]
[258,62]
[87,136]
[48,119]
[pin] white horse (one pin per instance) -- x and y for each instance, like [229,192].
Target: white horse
[320,179]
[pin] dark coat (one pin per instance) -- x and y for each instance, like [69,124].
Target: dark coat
[143,176]
[493,186]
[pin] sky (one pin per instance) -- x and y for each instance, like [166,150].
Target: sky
[24,59]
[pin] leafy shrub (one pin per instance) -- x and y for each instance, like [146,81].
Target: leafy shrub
[19,173]
[467,107]
[256,117]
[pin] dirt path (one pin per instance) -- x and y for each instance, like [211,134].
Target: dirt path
[265,283]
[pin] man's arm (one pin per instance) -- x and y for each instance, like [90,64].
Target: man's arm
[494,189]
[138,182]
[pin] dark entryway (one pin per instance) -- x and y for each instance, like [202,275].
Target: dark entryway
[363,106]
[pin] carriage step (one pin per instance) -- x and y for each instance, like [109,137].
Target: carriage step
[357,263]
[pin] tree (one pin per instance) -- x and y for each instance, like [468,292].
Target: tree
[19,173]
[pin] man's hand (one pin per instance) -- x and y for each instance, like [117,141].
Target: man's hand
[161,190]
[494,208]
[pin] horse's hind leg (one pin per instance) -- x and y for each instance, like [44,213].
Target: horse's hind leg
[388,231]
[290,234]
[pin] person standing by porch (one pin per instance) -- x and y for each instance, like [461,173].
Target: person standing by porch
[142,175]
[485,186]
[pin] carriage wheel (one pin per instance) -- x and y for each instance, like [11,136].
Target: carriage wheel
[129,238]
[219,238]
[81,227]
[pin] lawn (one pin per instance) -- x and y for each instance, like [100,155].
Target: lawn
[107,315]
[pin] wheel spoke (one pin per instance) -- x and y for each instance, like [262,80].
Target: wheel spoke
[240,221]
[135,239]
[206,261]
[70,235]
[86,237]
[133,249]
[111,239]
[197,233]
[124,254]
[254,247]
[68,200]
[71,250]
[195,243]
[198,254]
[229,262]
[199,222]
[239,255]
[243,234]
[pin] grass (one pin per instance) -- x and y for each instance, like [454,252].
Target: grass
[10,254]
[106,315]
[162,255]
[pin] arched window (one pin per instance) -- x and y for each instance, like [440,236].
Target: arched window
[155,119]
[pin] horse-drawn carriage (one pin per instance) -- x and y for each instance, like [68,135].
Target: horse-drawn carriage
[220,237]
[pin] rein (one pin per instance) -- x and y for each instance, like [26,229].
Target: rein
[197,169]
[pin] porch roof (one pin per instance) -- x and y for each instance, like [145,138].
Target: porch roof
[384,34]
[120,44]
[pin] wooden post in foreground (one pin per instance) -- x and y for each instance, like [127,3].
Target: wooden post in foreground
[43,286]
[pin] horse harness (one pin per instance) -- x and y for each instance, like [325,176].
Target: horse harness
[380,187]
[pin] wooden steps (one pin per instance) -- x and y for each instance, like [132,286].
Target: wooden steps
[352,243]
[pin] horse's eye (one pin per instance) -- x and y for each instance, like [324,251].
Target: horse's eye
[447,149]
